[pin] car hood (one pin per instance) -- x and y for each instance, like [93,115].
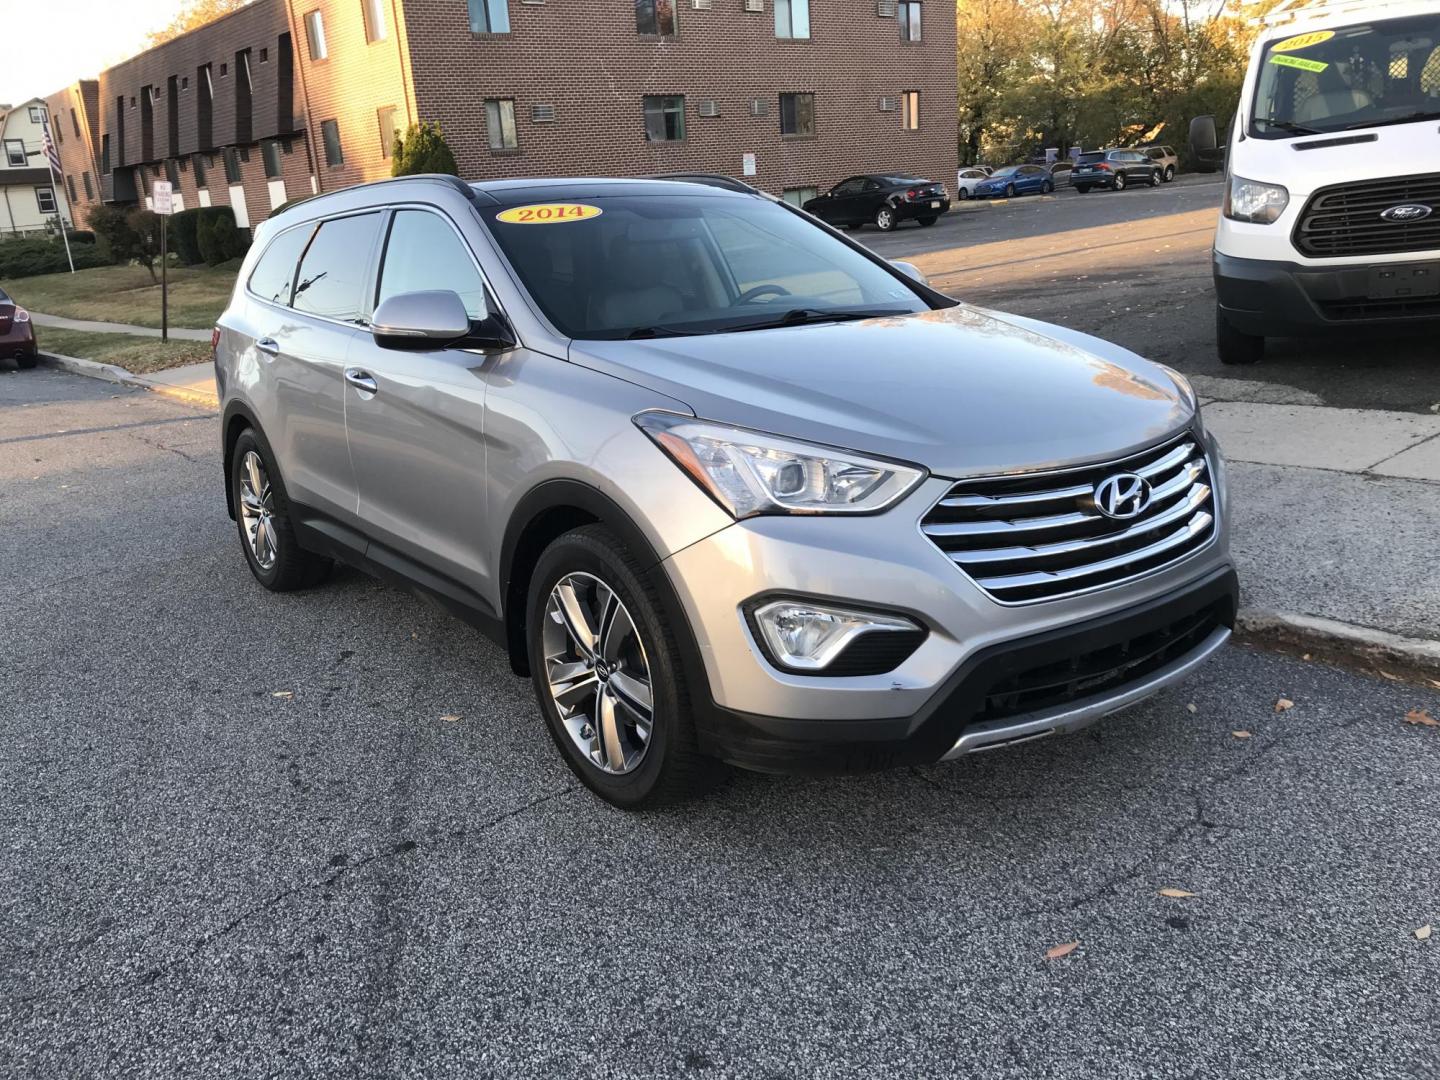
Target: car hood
[961,390]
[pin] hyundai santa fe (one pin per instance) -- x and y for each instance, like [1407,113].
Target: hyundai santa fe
[727,486]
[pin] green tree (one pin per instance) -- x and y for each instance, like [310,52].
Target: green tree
[422,149]
[127,236]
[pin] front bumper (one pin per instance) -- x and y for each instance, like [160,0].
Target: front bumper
[20,341]
[1280,299]
[755,715]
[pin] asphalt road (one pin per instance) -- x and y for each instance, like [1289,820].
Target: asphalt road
[203,879]
[1134,267]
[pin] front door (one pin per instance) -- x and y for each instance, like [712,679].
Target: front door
[844,208]
[415,418]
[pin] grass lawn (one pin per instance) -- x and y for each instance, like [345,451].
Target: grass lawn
[124,294]
[138,355]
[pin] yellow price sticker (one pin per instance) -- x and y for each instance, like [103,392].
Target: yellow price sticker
[1303,41]
[1298,62]
[548,213]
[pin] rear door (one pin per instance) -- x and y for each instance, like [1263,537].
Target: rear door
[416,435]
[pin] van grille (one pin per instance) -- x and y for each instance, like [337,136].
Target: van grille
[1345,219]
[1039,536]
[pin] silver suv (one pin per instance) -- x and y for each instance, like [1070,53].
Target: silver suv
[726,485]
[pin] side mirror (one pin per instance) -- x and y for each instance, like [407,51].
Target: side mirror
[910,270]
[1204,142]
[420,320]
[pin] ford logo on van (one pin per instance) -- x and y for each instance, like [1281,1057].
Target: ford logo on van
[1406,212]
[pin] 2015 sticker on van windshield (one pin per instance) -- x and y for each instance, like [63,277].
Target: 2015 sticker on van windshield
[1302,41]
[548,213]
[1300,62]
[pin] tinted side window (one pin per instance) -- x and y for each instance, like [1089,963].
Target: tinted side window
[274,274]
[333,272]
[423,253]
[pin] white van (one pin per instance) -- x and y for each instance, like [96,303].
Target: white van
[1332,202]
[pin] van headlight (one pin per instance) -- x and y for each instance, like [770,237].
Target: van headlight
[749,473]
[1252,201]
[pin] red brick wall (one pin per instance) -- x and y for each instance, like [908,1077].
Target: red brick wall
[589,62]
[78,156]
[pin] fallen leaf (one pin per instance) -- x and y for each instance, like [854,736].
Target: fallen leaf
[1423,933]
[1305,657]
[283,694]
[1192,707]
[1386,675]
[1434,682]
[1176,894]
[450,717]
[1061,950]
[1421,717]
[1241,734]
[1284,704]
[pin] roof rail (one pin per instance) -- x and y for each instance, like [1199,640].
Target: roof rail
[444,178]
[718,180]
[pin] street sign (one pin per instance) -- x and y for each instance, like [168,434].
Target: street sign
[162,196]
[747,164]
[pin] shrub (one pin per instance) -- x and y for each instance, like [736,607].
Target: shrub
[422,149]
[82,236]
[26,258]
[112,234]
[182,236]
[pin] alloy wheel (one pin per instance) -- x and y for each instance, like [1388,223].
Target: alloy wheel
[598,674]
[257,510]
[884,218]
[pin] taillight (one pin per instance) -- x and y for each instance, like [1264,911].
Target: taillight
[1104,165]
[215,340]
[913,194]
[21,315]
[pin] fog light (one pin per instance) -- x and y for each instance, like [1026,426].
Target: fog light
[807,637]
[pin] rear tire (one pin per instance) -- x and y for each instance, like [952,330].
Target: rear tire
[1235,346]
[1046,188]
[262,513]
[636,759]
[927,221]
[1009,191]
[1120,181]
[1083,189]
[1169,173]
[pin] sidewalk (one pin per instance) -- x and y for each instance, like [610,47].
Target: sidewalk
[193,384]
[178,333]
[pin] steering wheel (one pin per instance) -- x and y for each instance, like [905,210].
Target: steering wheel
[759,291]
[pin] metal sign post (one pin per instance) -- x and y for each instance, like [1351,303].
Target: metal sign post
[161,198]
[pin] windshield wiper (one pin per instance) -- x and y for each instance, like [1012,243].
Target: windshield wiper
[1289,125]
[801,316]
[1409,118]
[662,331]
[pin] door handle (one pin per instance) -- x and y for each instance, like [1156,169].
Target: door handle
[269,346]
[361,380]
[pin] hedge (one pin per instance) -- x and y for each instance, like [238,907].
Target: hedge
[26,258]
[206,234]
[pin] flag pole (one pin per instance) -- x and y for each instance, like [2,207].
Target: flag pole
[58,177]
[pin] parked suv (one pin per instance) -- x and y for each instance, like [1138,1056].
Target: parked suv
[1165,158]
[1114,169]
[726,485]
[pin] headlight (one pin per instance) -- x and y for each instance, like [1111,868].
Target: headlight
[21,315]
[749,473]
[1250,200]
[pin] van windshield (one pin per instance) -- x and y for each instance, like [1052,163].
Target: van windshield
[660,265]
[1365,75]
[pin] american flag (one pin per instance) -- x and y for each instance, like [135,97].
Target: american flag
[51,154]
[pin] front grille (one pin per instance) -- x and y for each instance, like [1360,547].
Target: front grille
[1404,307]
[1345,219]
[1038,536]
[1102,671]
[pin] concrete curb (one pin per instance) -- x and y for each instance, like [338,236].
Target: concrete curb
[110,373]
[1341,643]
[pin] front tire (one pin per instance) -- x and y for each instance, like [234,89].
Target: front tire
[1155,179]
[885,218]
[1083,189]
[262,512]
[1046,188]
[1234,346]
[608,675]
[1009,191]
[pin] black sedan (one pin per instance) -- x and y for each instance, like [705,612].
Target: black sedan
[1115,169]
[881,199]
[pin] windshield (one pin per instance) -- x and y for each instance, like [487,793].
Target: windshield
[653,265]
[1366,75]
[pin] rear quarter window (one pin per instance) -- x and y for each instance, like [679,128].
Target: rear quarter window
[274,275]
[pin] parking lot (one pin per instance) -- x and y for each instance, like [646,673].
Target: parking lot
[326,834]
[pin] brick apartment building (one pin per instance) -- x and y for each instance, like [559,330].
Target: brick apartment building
[284,98]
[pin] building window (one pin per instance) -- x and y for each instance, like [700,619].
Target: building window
[500,123]
[224,70]
[89,188]
[797,114]
[374,12]
[172,172]
[908,13]
[37,114]
[315,34]
[198,162]
[70,186]
[910,110]
[665,118]
[232,164]
[15,152]
[330,134]
[489,16]
[45,199]
[799,196]
[792,18]
[270,151]
[655,17]
[264,56]
[105,152]
[75,123]
[386,116]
